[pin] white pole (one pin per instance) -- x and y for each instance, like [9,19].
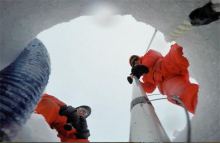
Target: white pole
[145,125]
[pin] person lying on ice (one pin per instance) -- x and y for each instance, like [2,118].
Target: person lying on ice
[168,73]
[69,122]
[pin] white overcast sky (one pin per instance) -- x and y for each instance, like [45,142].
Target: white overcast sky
[89,66]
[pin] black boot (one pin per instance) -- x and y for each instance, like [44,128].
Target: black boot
[204,15]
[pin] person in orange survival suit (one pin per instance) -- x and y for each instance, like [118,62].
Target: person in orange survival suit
[168,73]
[70,122]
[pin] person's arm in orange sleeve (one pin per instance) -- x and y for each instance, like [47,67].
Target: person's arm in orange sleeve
[48,108]
[150,57]
[148,87]
[60,103]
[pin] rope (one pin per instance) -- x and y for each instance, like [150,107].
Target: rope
[186,26]
[179,31]
[151,40]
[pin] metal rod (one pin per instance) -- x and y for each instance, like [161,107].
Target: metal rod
[151,40]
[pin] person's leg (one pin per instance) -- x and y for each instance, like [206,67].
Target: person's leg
[182,88]
[49,109]
[174,63]
[71,138]
[190,97]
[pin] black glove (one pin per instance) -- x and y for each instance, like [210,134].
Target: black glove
[82,132]
[130,80]
[203,15]
[139,70]
[72,117]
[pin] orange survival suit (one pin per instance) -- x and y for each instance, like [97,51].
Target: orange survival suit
[170,75]
[49,107]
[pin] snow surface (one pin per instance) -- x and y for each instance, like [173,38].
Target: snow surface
[36,129]
[22,20]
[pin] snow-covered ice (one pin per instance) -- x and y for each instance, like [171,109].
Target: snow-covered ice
[36,129]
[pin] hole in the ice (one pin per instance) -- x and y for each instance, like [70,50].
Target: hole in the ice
[89,64]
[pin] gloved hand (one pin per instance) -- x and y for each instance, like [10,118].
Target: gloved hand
[139,70]
[72,117]
[130,80]
[82,132]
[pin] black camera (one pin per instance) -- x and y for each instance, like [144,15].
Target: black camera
[68,127]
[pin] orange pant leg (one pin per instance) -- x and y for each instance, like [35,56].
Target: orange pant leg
[75,140]
[174,63]
[49,109]
[71,139]
[181,87]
